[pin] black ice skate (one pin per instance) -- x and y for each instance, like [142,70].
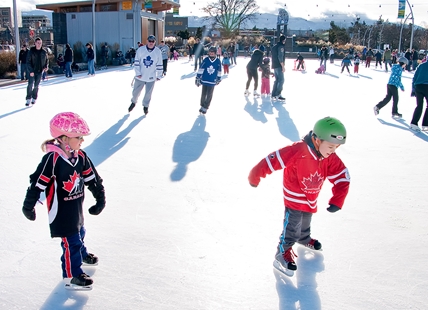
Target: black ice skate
[131,107]
[80,283]
[146,110]
[90,260]
[203,110]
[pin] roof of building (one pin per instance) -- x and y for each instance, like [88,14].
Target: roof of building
[157,5]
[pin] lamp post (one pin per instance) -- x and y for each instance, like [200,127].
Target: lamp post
[402,25]
[17,40]
[93,31]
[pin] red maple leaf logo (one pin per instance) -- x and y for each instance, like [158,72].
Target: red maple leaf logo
[69,185]
[314,182]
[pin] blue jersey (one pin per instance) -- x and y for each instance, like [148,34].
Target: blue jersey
[210,71]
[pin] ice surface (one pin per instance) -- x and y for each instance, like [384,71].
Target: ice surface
[184,230]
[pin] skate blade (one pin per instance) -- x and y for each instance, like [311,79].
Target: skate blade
[74,287]
[280,268]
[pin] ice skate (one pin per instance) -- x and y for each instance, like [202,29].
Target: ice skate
[131,107]
[256,94]
[280,98]
[203,110]
[313,244]
[146,110]
[376,110]
[397,115]
[33,101]
[424,128]
[80,283]
[90,260]
[416,127]
[28,102]
[246,93]
[284,262]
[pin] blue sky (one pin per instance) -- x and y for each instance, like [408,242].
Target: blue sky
[329,9]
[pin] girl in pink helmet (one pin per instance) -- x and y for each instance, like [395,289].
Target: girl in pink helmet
[62,174]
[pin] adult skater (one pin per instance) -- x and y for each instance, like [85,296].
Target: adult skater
[253,65]
[37,63]
[420,90]
[148,67]
[278,66]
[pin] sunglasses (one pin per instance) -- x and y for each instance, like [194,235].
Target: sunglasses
[151,41]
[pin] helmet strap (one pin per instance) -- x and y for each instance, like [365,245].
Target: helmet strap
[316,143]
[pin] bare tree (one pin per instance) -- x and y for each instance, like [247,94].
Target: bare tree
[229,15]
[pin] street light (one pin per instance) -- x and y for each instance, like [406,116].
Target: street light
[402,25]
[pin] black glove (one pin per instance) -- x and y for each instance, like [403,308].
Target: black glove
[29,213]
[98,192]
[97,208]
[217,81]
[31,198]
[253,185]
[198,82]
[413,94]
[333,208]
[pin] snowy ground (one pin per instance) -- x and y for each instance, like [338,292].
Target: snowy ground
[184,230]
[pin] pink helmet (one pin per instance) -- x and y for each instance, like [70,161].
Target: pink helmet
[68,124]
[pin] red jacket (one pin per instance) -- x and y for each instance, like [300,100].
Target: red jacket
[304,174]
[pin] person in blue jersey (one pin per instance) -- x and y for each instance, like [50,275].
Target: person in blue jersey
[148,67]
[62,174]
[420,91]
[392,88]
[209,75]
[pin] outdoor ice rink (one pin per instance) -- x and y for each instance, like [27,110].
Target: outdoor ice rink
[184,230]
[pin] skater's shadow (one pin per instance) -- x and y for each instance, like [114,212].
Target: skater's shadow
[60,298]
[365,76]
[255,111]
[302,295]
[332,75]
[404,126]
[188,147]
[188,76]
[111,140]
[286,126]
[13,112]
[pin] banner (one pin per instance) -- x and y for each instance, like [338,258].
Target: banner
[401,8]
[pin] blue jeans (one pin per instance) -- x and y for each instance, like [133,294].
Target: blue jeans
[91,66]
[68,72]
[279,82]
[24,73]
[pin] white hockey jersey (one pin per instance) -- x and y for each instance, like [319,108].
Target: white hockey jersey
[148,64]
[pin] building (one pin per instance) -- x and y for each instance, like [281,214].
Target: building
[35,21]
[119,23]
[6,19]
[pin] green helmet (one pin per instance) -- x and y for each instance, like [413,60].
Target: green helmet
[330,129]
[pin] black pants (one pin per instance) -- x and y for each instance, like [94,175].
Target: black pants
[252,74]
[165,64]
[391,92]
[33,85]
[207,96]
[198,59]
[421,91]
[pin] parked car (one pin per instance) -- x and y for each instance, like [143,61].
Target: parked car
[7,48]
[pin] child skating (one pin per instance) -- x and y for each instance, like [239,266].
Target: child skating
[209,75]
[62,174]
[306,165]
[392,88]
[346,62]
[266,74]
[356,63]
[226,63]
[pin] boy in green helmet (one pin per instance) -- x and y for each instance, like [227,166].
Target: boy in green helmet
[306,165]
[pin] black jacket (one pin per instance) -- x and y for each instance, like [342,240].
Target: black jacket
[256,59]
[90,53]
[278,55]
[23,56]
[36,63]
[68,55]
